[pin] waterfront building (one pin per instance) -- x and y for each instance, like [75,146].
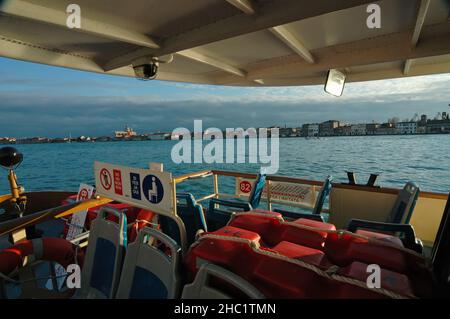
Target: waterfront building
[372,128]
[327,128]
[310,129]
[386,129]
[406,127]
[438,126]
[127,133]
[289,132]
[7,140]
[358,129]
[343,130]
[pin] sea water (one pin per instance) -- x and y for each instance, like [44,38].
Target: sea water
[424,159]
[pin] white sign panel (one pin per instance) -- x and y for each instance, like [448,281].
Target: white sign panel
[77,220]
[145,188]
[280,192]
[76,226]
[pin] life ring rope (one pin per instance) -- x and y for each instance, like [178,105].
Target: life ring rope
[39,248]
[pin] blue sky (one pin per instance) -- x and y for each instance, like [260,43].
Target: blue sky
[40,100]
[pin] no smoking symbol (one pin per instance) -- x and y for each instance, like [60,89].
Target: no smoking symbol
[105,179]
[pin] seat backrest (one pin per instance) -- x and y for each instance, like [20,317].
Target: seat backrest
[151,267]
[104,256]
[324,192]
[256,193]
[191,213]
[404,205]
[201,287]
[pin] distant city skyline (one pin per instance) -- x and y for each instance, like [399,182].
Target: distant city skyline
[39,100]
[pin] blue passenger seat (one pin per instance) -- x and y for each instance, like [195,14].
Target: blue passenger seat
[397,222]
[191,213]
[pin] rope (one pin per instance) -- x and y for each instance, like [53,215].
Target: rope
[19,282]
[145,222]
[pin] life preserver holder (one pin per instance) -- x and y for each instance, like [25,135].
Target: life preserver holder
[57,250]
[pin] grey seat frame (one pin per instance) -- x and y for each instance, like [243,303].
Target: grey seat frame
[199,288]
[116,234]
[141,254]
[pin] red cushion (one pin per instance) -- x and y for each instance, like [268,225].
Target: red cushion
[268,212]
[231,231]
[384,237]
[274,230]
[274,277]
[315,224]
[303,253]
[390,280]
[343,249]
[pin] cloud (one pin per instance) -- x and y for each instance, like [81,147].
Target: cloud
[99,105]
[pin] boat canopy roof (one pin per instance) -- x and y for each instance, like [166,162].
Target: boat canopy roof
[233,42]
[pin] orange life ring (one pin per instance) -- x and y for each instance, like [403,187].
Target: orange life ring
[50,249]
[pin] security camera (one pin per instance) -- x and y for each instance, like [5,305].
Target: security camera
[147,71]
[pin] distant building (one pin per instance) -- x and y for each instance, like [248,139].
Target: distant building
[422,124]
[358,129]
[289,132]
[128,132]
[438,126]
[406,127]
[421,129]
[372,128]
[7,140]
[423,120]
[344,130]
[310,129]
[386,129]
[327,128]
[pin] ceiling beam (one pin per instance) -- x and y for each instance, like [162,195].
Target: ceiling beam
[20,50]
[282,33]
[15,49]
[40,13]
[390,73]
[420,19]
[269,15]
[421,15]
[435,40]
[407,67]
[246,6]
[199,57]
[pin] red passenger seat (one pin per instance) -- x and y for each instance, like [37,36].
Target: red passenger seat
[310,255]
[278,276]
[384,237]
[273,229]
[315,223]
[342,248]
[388,279]
[231,231]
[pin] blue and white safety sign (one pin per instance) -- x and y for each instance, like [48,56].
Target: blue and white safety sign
[145,188]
